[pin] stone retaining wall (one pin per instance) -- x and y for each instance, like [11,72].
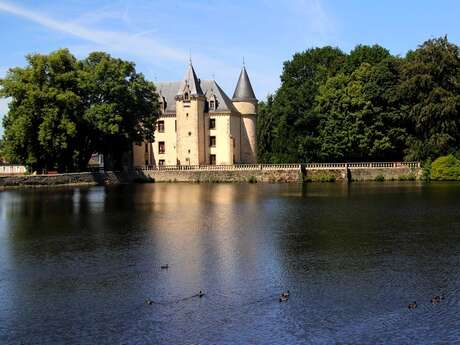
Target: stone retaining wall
[325,175]
[221,176]
[257,175]
[385,174]
[83,178]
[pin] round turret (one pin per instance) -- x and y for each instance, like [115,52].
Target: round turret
[245,102]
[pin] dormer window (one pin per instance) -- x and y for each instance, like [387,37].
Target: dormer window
[186,97]
[212,105]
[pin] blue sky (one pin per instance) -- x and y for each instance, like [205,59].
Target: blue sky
[158,34]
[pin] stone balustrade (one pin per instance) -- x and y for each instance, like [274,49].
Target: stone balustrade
[273,167]
[236,167]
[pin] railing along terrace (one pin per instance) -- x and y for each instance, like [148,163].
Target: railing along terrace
[236,167]
[307,166]
[383,165]
[358,165]
[314,166]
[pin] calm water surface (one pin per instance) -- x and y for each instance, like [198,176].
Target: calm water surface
[77,264]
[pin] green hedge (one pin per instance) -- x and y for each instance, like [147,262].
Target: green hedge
[446,168]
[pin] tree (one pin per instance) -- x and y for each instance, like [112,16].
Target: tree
[365,54]
[430,92]
[294,122]
[121,106]
[365,105]
[265,130]
[62,110]
[361,118]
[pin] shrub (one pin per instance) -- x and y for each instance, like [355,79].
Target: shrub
[408,177]
[426,170]
[446,168]
[379,178]
[252,179]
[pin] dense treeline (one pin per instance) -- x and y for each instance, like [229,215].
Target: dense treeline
[364,106]
[62,110]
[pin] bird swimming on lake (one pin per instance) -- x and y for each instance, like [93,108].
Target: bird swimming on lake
[149,301]
[164,267]
[436,299]
[200,294]
[283,298]
[412,305]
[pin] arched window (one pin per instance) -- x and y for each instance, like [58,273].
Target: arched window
[186,98]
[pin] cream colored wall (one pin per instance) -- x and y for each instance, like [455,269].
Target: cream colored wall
[246,107]
[235,132]
[223,149]
[240,126]
[193,124]
[248,112]
[169,138]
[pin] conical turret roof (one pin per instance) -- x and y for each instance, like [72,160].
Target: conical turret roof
[192,81]
[244,91]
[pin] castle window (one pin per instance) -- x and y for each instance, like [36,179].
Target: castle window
[161,147]
[186,114]
[212,123]
[161,162]
[161,126]
[189,133]
[186,98]
[212,141]
[175,125]
[212,159]
[211,105]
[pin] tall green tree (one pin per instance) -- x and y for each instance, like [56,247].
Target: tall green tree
[361,117]
[365,105]
[293,117]
[121,106]
[430,90]
[62,110]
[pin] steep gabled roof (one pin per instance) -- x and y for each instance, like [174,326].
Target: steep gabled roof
[168,90]
[191,80]
[224,103]
[243,90]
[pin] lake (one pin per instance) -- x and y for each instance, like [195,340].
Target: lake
[77,264]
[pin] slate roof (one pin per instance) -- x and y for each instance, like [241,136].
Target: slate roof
[169,91]
[243,90]
[192,81]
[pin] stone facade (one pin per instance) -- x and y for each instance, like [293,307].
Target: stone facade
[200,125]
[273,176]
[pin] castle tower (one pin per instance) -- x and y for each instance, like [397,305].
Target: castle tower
[190,106]
[245,102]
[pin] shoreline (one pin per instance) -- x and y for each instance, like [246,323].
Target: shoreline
[364,172]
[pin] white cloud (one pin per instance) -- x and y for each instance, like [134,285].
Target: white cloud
[141,44]
[319,20]
[119,41]
[138,40]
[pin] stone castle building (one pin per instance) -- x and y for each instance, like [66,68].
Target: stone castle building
[199,124]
